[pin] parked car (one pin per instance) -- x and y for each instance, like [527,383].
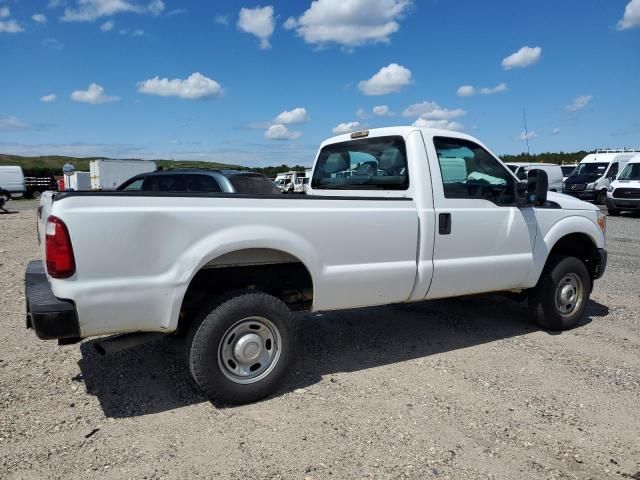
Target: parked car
[593,175]
[624,192]
[200,180]
[227,270]
[567,170]
[34,186]
[12,181]
[554,172]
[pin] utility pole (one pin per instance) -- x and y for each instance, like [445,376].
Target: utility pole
[526,132]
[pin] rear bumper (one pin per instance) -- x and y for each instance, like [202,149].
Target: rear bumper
[48,315]
[601,263]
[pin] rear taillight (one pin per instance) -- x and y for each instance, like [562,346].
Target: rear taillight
[58,250]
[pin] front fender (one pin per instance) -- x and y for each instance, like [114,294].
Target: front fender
[550,231]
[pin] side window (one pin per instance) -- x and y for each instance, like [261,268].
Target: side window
[135,185]
[613,171]
[376,163]
[469,171]
[202,183]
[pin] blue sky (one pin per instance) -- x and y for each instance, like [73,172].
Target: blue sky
[262,83]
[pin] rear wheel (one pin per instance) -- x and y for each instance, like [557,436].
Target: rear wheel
[240,349]
[559,299]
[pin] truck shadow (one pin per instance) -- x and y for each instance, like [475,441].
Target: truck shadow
[153,378]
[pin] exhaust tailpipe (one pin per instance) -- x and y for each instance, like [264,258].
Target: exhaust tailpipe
[117,343]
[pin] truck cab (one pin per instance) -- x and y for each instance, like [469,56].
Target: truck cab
[592,177]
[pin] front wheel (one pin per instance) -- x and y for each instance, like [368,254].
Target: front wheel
[601,198]
[36,194]
[240,349]
[559,299]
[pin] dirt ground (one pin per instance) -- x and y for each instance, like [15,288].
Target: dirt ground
[462,389]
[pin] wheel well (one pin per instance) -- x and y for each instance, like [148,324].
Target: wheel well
[577,245]
[289,280]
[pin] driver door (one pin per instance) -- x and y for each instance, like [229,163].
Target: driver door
[483,241]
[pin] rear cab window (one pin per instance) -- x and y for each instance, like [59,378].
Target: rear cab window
[376,163]
[253,184]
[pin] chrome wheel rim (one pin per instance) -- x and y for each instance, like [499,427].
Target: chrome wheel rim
[569,294]
[249,350]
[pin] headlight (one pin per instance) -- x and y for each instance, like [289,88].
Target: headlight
[590,186]
[610,189]
[601,220]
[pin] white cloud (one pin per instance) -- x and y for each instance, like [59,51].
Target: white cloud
[39,18]
[259,22]
[10,26]
[290,117]
[4,12]
[195,87]
[442,124]
[347,127]
[52,43]
[349,23]
[107,26]
[49,98]
[94,95]
[382,111]
[469,90]
[526,136]
[362,114]
[631,16]
[221,20]
[555,131]
[12,123]
[281,132]
[501,87]
[466,91]
[524,57]
[389,79]
[90,10]
[432,111]
[578,103]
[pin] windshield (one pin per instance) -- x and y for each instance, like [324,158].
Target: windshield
[370,163]
[592,170]
[630,172]
[566,171]
[253,183]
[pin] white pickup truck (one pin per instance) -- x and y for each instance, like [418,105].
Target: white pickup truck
[393,215]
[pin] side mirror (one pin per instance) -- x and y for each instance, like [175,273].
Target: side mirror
[537,187]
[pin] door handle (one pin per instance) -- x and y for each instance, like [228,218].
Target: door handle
[444,223]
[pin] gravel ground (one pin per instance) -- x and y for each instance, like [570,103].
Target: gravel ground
[461,388]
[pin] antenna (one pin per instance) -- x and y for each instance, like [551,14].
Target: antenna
[526,132]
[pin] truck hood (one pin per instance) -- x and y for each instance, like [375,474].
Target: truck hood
[570,203]
[626,183]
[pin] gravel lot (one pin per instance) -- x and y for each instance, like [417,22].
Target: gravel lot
[461,388]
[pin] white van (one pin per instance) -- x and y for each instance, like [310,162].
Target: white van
[593,175]
[12,180]
[554,172]
[624,191]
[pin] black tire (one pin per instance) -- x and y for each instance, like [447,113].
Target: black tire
[210,334]
[36,194]
[4,195]
[614,212]
[601,198]
[545,300]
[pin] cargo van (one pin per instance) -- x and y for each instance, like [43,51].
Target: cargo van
[554,172]
[12,180]
[594,174]
[624,191]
